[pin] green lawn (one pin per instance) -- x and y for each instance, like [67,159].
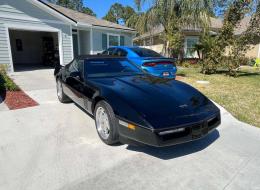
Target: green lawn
[240,96]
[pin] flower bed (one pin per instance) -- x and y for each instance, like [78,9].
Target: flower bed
[12,95]
[18,100]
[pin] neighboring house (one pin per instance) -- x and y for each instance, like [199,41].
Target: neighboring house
[28,28]
[254,51]
[153,40]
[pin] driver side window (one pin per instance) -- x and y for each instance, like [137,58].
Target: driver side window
[81,68]
[77,66]
[73,66]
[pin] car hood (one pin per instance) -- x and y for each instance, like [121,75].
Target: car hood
[161,102]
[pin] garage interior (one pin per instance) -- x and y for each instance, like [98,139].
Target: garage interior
[33,50]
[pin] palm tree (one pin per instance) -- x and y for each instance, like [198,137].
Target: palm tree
[174,15]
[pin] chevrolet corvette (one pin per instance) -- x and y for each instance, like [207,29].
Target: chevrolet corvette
[130,105]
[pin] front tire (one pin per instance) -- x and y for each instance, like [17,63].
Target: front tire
[63,98]
[106,124]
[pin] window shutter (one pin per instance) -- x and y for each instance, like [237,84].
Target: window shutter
[104,41]
[122,40]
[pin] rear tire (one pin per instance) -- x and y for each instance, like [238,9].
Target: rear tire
[63,98]
[106,125]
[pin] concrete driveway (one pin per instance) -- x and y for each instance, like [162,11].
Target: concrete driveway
[38,84]
[55,146]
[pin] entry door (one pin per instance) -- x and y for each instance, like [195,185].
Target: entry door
[75,45]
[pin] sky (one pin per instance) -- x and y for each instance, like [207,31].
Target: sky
[101,7]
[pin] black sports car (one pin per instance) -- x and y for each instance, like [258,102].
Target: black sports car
[132,106]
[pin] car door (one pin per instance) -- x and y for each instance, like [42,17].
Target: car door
[90,91]
[68,78]
[79,84]
[74,82]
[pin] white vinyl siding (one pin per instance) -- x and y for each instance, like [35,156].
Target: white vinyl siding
[21,9]
[67,44]
[4,50]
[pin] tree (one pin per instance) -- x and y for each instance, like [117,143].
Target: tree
[127,13]
[115,13]
[237,45]
[88,11]
[65,3]
[120,14]
[76,5]
[173,15]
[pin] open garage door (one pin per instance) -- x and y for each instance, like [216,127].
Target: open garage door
[34,49]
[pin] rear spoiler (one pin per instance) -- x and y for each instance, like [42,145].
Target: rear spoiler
[160,59]
[155,60]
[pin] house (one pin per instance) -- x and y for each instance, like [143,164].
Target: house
[254,51]
[153,39]
[30,29]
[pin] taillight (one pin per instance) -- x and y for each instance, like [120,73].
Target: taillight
[152,64]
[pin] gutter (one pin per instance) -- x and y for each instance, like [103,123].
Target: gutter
[57,11]
[80,24]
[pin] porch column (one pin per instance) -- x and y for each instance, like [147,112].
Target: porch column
[91,41]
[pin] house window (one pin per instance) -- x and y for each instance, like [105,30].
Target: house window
[113,40]
[122,40]
[109,40]
[190,42]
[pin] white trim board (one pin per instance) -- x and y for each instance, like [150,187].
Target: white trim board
[51,11]
[61,48]
[91,42]
[113,29]
[72,46]
[30,19]
[111,34]
[33,29]
[9,50]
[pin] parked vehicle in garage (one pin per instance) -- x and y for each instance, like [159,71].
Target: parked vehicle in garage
[147,59]
[129,104]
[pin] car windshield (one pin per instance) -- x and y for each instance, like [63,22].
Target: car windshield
[111,67]
[143,52]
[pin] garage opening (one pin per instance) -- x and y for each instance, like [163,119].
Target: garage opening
[33,50]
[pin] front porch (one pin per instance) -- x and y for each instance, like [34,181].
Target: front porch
[82,43]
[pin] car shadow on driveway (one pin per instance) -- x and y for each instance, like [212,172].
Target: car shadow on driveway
[179,150]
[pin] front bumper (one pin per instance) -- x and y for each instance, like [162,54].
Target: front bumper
[155,138]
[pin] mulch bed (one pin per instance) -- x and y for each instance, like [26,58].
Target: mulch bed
[18,100]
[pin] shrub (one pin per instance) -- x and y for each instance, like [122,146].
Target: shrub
[5,82]
[2,83]
[216,56]
[193,63]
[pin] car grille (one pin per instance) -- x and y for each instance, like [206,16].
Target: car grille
[196,131]
[175,135]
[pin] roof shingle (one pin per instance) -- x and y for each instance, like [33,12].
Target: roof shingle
[215,24]
[86,19]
